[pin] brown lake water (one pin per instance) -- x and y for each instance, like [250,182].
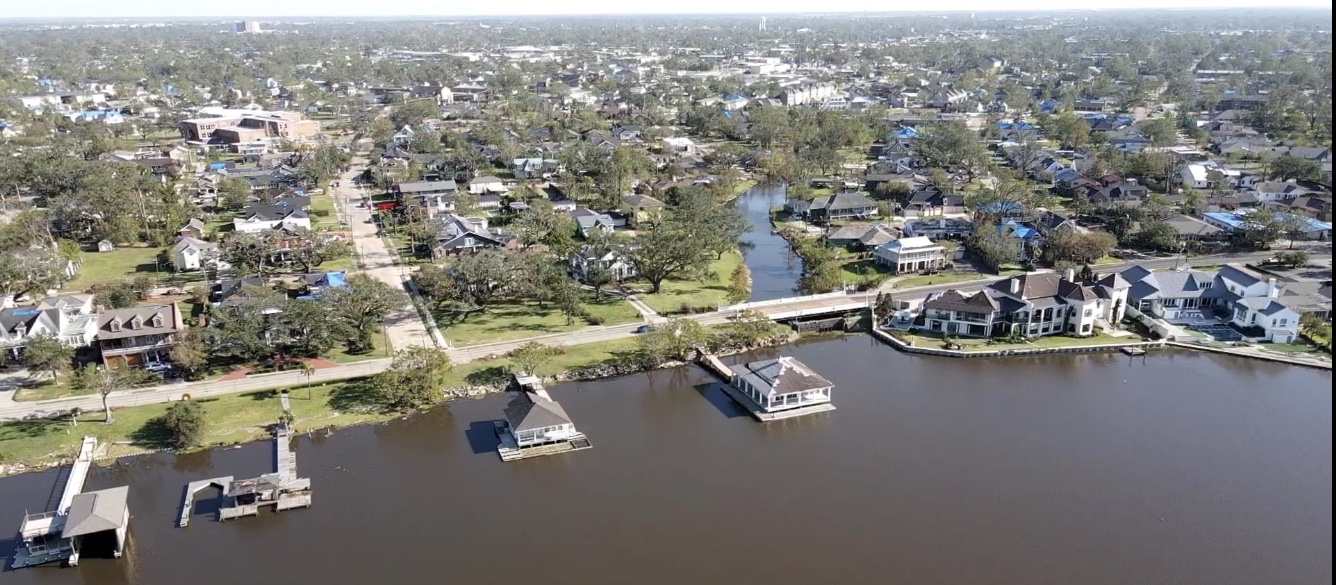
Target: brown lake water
[1185,468]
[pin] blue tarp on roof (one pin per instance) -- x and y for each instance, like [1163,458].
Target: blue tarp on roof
[1236,221]
[1022,231]
[906,133]
[217,166]
[336,278]
[735,96]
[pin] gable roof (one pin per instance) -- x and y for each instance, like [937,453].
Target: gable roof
[1032,286]
[145,314]
[271,213]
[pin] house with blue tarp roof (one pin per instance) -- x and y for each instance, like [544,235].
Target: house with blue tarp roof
[1238,222]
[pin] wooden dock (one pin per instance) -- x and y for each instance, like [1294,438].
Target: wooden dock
[281,489]
[510,452]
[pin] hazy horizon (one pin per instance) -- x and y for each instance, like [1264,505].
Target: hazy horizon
[77,9]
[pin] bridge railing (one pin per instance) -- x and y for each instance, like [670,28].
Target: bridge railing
[784,301]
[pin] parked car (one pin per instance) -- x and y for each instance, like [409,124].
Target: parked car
[645,329]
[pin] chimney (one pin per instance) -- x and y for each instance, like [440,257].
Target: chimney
[1069,275]
[1271,290]
[1015,284]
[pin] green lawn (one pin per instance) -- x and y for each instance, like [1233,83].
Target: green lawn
[676,294]
[516,320]
[945,278]
[1295,348]
[322,211]
[116,266]
[982,345]
[860,271]
[48,390]
[379,349]
[239,418]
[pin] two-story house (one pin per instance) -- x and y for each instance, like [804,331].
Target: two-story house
[848,205]
[69,318]
[613,261]
[463,235]
[138,336]
[1030,305]
[435,197]
[910,254]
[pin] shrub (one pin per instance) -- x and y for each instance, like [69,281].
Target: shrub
[594,319]
[184,421]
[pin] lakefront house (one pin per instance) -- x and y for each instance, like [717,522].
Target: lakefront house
[1030,305]
[781,384]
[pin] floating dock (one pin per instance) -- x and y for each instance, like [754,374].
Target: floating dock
[536,425]
[798,398]
[281,489]
[56,535]
[1133,351]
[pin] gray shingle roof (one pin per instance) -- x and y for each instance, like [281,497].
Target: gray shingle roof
[529,412]
[783,375]
[97,511]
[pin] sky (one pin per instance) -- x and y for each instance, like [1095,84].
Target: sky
[276,8]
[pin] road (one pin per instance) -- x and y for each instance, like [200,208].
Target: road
[165,393]
[404,327]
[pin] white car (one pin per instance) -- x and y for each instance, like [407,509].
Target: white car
[156,367]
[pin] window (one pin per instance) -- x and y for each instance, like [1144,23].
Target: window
[1088,312]
[157,320]
[114,325]
[1282,322]
[468,241]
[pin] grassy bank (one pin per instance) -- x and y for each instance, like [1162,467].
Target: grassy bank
[520,319]
[676,294]
[238,418]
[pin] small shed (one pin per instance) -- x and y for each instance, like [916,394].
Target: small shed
[105,246]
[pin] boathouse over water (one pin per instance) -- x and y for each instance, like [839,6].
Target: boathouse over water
[78,521]
[536,425]
[780,388]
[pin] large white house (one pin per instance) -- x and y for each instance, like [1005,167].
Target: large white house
[1249,300]
[1030,305]
[910,254]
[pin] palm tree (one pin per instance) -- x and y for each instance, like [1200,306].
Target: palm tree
[308,370]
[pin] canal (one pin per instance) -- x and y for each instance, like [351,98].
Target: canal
[1094,469]
[775,269]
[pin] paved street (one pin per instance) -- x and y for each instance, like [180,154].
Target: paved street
[14,410]
[404,327]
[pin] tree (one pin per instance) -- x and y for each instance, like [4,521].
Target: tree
[668,249]
[1158,235]
[951,145]
[675,340]
[472,285]
[317,251]
[307,370]
[414,379]
[359,307]
[247,252]
[1070,130]
[1291,225]
[739,284]
[1160,131]
[530,356]
[991,248]
[234,193]
[184,422]
[190,352]
[1194,201]
[240,330]
[104,381]
[1076,247]
[45,353]
[1288,167]
[1293,259]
